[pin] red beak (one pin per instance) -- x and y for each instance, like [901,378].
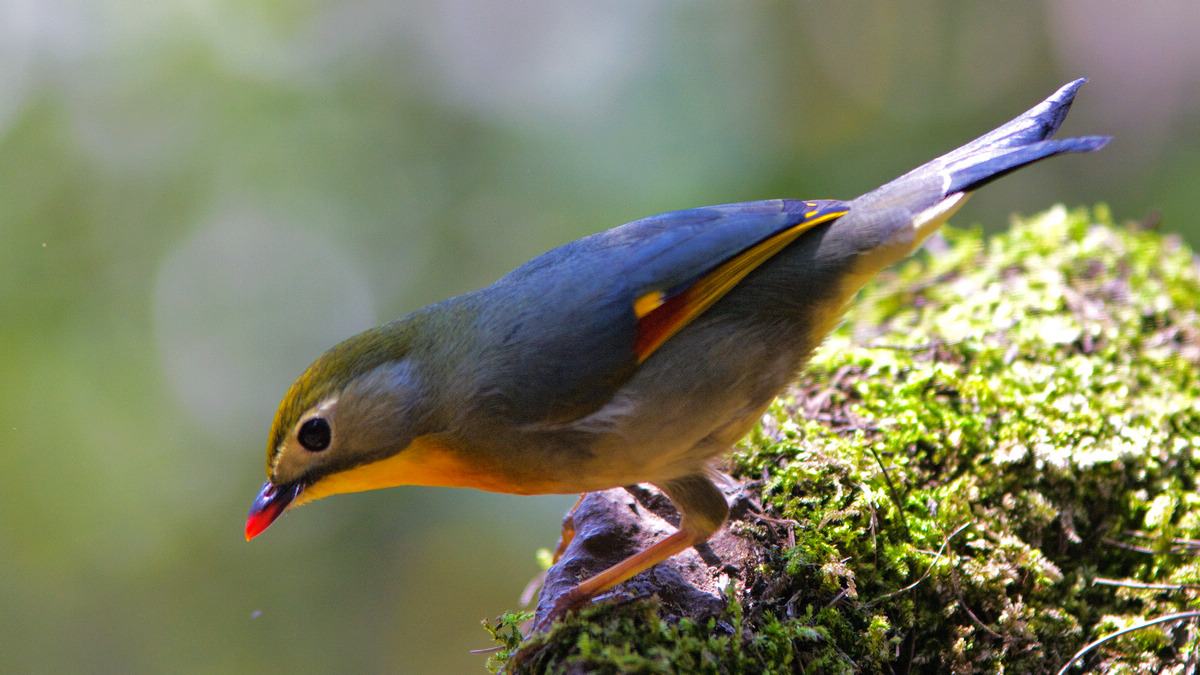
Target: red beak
[270,502]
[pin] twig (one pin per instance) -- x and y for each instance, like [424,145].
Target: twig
[917,348]
[779,521]
[1153,622]
[945,543]
[1150,587]
[1129,547]
[967,608]
[892,490]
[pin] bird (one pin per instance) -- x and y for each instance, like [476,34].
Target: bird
[639,354]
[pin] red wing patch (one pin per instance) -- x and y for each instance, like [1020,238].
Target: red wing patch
[661,316]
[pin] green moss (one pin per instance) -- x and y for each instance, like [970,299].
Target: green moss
[631,638]
[992,429]
[507,632]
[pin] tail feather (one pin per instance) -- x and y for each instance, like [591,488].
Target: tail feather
[886,223]
[1036,124]
[977,171]
[1018,142]
[1010,146]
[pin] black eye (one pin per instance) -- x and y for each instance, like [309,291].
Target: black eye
[315,434]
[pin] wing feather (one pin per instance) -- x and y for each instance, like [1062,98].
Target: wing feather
[671,313]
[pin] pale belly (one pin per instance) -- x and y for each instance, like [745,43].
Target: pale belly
[625,448]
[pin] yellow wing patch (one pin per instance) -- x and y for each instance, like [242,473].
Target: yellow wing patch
[648,303]
[660,316]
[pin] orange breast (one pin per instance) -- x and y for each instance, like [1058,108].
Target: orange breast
[429,460]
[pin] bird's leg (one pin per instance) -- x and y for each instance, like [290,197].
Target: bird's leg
[702,510]
[568,529]
[564,540]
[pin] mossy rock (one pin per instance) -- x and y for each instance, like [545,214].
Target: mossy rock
[991,464]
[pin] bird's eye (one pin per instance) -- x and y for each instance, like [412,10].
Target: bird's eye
[315,434]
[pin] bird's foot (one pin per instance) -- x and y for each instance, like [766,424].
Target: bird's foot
[566,603]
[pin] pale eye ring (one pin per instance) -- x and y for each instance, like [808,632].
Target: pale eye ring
[315,434]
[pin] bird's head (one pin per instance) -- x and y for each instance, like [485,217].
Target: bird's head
[344,423]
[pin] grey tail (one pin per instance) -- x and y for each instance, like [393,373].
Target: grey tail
[1022,141]
[922,199]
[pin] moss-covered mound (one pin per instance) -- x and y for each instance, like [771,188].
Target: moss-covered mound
[990,465]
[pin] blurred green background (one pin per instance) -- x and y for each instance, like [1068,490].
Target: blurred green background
[198,197]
